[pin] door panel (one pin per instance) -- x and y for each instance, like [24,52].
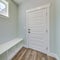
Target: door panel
[38,34]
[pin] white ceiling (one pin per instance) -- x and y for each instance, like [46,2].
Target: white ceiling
[18,1]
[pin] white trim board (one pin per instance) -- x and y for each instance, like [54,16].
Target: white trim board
[6,46]
[41,7]
[53,55]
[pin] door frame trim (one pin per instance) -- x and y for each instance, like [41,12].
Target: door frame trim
[41,7]
[33,9]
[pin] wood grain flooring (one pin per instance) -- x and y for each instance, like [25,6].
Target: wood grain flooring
[30,54]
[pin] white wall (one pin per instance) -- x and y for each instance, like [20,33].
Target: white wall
[8,26]
[29,4]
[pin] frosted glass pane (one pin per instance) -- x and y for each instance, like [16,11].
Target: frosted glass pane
[2,6]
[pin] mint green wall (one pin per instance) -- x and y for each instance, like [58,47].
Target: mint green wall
[8,26]
[58,27]
[52,26]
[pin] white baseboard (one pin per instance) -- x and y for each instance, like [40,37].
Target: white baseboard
[53,55]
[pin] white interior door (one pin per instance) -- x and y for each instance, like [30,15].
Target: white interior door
[38,29]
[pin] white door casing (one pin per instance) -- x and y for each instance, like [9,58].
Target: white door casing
[37,28]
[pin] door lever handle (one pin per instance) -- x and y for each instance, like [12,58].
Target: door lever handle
[28,30]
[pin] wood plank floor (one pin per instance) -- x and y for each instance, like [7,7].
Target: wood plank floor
[30,54]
